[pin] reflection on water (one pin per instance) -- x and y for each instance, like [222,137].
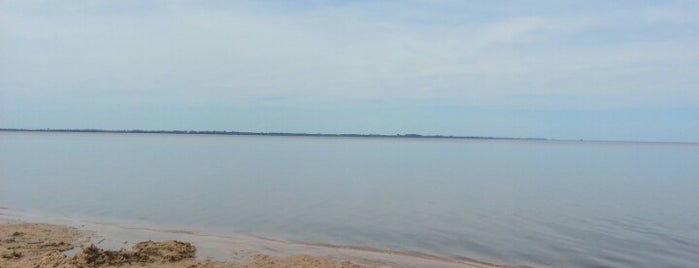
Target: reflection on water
[545,203]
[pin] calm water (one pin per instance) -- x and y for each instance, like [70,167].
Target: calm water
[542,203]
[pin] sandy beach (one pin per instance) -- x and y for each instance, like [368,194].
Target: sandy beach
[45,245]
[29,240]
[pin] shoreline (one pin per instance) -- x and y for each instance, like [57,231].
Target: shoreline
[361,136]
[234,250]
[271,134]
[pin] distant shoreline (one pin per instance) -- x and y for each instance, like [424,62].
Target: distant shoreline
[281,134]
[291,134]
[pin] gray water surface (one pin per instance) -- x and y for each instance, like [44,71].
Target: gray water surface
[570,204]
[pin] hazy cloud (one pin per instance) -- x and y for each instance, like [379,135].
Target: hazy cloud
[587,54]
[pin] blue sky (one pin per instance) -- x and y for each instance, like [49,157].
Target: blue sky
[612,70]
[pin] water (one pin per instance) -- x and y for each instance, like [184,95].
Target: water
[571,204]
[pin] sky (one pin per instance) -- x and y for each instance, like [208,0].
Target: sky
[604,70]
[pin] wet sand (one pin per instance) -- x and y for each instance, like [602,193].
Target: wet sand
[81,243]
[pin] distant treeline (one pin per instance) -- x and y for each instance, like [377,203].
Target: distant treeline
[244,133]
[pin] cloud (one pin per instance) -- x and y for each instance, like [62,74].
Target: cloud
[677,12]
[330,51]
[535,68]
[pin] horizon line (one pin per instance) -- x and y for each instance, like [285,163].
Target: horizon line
[259,133]
[303,134]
